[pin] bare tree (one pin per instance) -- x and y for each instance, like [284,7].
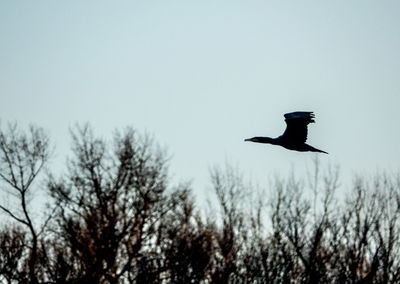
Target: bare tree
[184,242]
[12,248]
[22,157]
[117,220]
[109,204]
[227,185]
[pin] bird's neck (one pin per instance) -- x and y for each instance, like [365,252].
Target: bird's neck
[267,140]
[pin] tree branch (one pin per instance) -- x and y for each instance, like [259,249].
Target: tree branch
[13,215]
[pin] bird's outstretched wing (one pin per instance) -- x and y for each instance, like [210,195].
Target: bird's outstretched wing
[296,126]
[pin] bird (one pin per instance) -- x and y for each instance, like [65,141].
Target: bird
[295,135]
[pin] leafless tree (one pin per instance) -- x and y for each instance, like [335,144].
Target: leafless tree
[109,204]
[12,249]
[22,157]
[184,242]
[229,189]
[118,220]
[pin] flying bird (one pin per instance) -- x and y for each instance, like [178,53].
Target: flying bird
[295,135]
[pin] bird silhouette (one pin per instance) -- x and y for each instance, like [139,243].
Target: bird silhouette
[295,135]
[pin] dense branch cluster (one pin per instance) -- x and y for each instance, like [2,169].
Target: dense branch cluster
[114,218]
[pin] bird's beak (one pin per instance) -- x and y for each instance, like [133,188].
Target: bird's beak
[247,139]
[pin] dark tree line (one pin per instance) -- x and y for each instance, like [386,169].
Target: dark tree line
[114,217]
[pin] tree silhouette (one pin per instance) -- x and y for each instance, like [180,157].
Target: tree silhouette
[118,219]
[12,246]
[109,204]
[22,157]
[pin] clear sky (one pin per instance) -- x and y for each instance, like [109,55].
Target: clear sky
[203,75]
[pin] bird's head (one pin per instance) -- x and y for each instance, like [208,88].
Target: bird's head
[258,139]
[254,139]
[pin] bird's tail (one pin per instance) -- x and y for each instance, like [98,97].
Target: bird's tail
[320,151]
[312,149]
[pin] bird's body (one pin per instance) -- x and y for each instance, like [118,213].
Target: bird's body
[295,135]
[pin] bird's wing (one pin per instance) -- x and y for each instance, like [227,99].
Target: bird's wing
[296,126]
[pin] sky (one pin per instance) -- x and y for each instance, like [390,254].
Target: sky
[203,75]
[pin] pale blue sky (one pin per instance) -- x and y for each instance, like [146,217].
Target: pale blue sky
[203,75]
